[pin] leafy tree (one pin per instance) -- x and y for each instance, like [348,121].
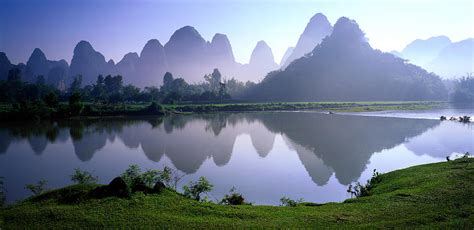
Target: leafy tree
[51,100]
[167,80]
[285,201]
[75,98]
[131,93]
[194,190]
[75,105]
[98,91]
[214,80]
[76,84]
[464,90]
[37,188]
[83,177]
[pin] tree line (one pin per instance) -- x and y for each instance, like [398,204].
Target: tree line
[464,90]
[111,89]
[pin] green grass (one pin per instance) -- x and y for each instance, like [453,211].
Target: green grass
[429,196]
[295,106]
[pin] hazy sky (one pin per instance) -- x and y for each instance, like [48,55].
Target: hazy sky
[117,27]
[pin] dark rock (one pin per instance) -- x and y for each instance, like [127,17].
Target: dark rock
[159,186]
[117,187]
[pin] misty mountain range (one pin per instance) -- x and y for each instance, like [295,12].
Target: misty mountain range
[344,67]
[440,55]
[188,55]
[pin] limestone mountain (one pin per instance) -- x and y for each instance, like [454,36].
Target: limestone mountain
[317,28]
[146,69]
[455,60]
[54,72]
[5,66]
[89,63]
[129,65]
[37,65]
[287,54]
[152,64]
[420,52]
[186,52]
[344,67]
[261,62]
[221,55]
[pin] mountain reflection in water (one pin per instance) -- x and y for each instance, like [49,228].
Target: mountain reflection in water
[327,146]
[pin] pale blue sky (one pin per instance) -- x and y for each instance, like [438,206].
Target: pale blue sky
[117,27]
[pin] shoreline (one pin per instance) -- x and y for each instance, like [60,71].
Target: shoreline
[394,201]
[90,110]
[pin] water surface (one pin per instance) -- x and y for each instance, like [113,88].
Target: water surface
[264,156]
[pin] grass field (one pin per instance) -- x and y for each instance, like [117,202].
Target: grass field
[439,195]
[295,106]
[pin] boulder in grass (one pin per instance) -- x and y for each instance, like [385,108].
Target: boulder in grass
[159,186]
[117,187]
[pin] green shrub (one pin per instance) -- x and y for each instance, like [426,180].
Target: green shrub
[360,190]
[134,176]
[75,105]
[233,198]
[83,177]
[37,188]
[154,109]
[285,201]
[51,100]
[195,189]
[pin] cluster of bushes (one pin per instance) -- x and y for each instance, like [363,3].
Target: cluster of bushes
[133,179]
[153,181]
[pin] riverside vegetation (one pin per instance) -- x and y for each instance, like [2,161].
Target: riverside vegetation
[110,97]
[442,190]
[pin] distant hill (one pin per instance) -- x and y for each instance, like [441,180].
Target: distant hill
[455,60]
[54,72]
[317,28]
[420,52]
[440,55]
[286,55]
[187,55]
[344,67]
[89,63]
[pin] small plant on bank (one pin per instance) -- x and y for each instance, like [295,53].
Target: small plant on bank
[360,190]
[233,198]
[37,188]
[83,177]
[466,155]
[194,190]
[287,202]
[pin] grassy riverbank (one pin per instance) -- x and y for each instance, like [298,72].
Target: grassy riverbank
[436,195]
